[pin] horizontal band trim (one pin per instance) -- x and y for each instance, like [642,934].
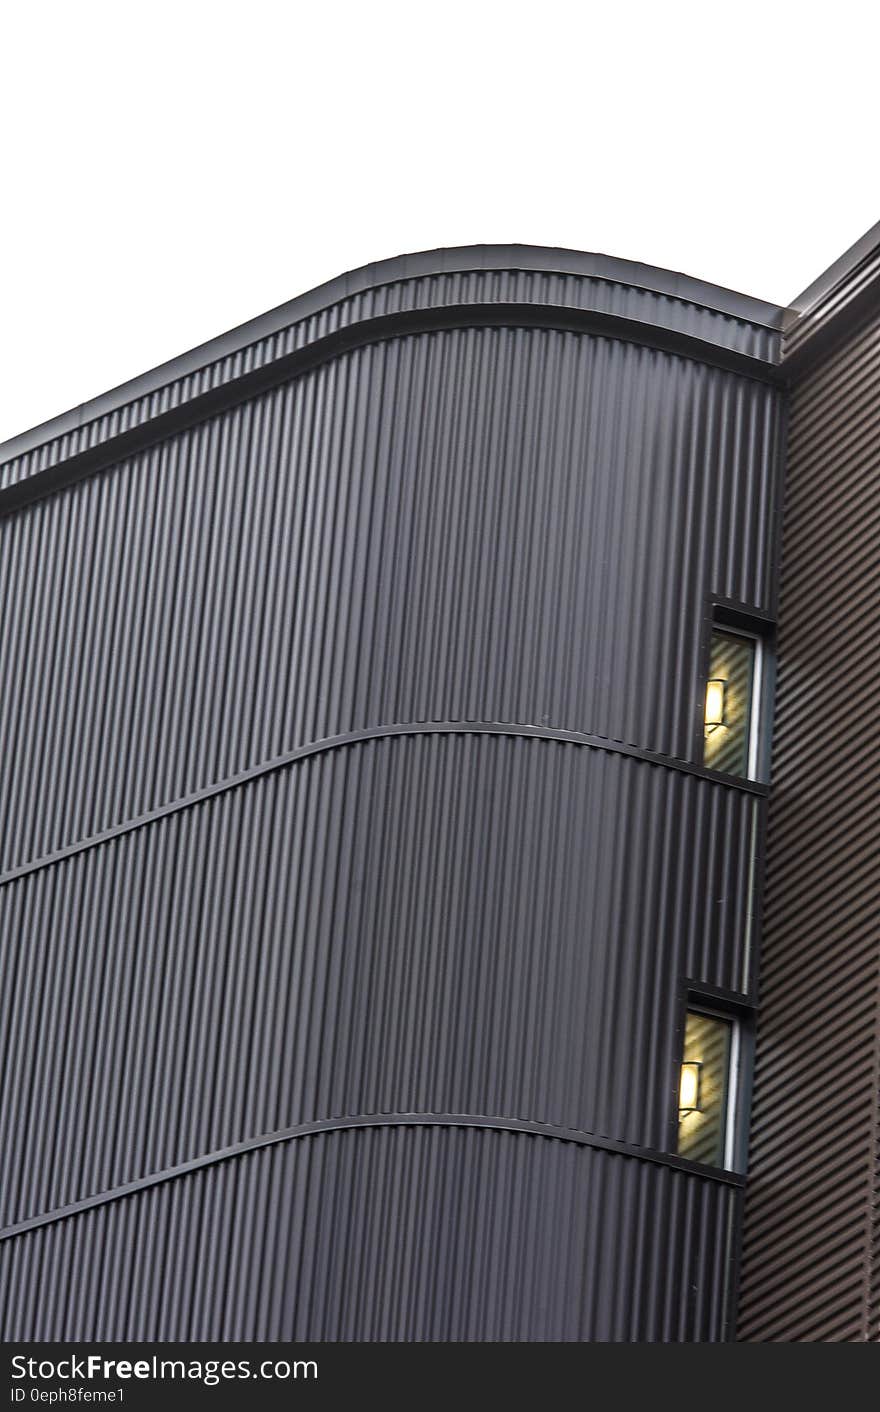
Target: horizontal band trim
[360,737]
[374,1120]
[550,317]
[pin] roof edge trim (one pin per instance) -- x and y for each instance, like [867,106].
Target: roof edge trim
[836,274]
[149,430]
[834,306]
[453,260]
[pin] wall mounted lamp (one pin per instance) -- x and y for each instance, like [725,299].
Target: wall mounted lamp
[716,703]
[690,1088]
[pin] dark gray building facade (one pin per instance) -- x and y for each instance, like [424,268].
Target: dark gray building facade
[387,692]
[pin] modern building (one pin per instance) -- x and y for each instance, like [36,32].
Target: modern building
[811,1259]
[388,694]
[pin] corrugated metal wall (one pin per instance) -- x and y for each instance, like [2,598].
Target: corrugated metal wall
[352,768]
[555,280]
[388,1233]
[444,924]
[810,1271]
[501,525]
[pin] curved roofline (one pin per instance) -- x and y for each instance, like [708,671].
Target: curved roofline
[454,259]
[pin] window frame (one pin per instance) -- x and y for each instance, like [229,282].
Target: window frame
[739,1013]
[726,617]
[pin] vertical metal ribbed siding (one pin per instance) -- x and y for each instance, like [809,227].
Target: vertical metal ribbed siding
[322,312]
[516,529]
[253,962]
[500,525]
[395,1233]
[809,1270]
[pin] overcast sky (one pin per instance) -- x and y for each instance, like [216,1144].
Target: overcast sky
[172,169]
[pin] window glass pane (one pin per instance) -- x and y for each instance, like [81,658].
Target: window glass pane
[729,703]
[703,1091]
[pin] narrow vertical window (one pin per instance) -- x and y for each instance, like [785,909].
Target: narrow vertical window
[731,704]
[705,1126]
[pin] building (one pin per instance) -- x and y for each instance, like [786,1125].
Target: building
[388,691]
[812,1240]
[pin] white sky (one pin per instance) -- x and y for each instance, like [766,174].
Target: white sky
[172,169]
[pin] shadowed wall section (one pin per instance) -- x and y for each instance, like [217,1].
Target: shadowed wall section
[811,1271]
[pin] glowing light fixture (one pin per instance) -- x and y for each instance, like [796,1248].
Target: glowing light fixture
[716,703]
[689,1092]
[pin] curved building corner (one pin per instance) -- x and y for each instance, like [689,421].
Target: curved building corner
[386,702]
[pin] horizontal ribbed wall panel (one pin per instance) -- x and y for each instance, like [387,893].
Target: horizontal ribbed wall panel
[455,288]
[438,923]
[387,1234]
[494,524]
[810,1270]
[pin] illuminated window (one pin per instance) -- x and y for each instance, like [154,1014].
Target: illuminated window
[705,1116]
[730,730]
